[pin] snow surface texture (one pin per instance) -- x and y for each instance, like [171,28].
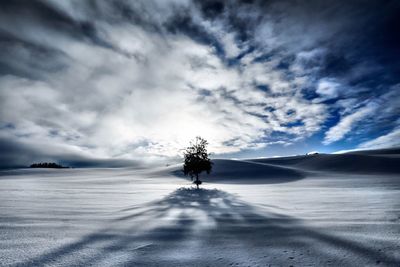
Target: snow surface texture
[299,211]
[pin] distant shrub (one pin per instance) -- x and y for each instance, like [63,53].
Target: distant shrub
[47,165]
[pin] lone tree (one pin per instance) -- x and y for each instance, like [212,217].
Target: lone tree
[196,160]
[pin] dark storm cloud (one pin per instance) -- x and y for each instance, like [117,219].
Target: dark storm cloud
[129,78]
[18,12]
[21,155]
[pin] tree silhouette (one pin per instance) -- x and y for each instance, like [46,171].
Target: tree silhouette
[197,160]
[47,165]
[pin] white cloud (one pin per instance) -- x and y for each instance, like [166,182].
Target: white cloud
[392,139]
[328,88]
[148,92]
[148,103]
[346,123]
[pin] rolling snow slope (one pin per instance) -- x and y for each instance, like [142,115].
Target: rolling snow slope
[252,214]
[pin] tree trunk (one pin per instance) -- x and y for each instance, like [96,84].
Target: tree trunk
[197,180]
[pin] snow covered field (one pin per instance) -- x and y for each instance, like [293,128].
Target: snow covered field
[255,213]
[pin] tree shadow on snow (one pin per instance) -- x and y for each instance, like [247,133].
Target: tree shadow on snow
[200,227]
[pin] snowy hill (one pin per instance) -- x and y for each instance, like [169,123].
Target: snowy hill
[373,161]
[319,210]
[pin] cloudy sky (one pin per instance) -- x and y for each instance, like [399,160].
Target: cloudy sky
[85,81]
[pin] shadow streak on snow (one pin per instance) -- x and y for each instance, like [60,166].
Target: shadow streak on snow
[186,226]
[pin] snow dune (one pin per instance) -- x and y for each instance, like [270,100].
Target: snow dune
[374,161]
[277,212]
[239,171]
[287,169]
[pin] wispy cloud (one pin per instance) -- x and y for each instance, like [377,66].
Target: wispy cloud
[346,124]
[140,79]
[392,139]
